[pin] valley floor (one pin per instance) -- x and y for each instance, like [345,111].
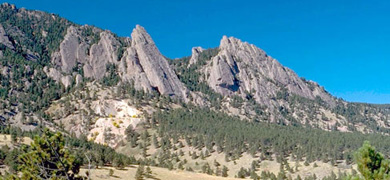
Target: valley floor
[158,174]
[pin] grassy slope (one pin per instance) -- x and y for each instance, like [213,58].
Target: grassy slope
[158,173]
[323,169]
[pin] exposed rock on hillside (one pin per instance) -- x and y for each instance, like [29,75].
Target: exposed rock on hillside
[131,69]
[68,49]
[141,62]
[4,38]
[195,55]
[236,78]
[242,68]
[101,54]
[156,67]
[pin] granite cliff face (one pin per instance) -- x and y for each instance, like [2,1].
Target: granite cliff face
[241,68]
[238,69]
[4,40]
[155,66]
[141,61]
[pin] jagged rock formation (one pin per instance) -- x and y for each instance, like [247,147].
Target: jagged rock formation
[73,50]
[4,38]
[195,55]
[155,66]
[68,50]
[141,62]
[101,54]
[242,68]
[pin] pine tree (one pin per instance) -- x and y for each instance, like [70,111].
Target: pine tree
[371,164]
[111,172]
[148,172]
[225,171]
[241,173]
[139,175]
[47,158]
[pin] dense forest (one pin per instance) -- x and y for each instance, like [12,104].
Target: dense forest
[206,128]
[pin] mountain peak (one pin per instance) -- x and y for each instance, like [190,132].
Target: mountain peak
[233,44]
[140,36]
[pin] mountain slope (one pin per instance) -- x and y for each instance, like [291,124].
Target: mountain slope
[57,57]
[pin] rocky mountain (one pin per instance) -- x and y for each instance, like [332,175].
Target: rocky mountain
[140,62]
[45,54]
[230,111]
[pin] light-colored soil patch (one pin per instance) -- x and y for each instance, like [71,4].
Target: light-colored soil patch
[5,139]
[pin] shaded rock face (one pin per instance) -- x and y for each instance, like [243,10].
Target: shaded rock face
[103,53]
[131,70]
[4,38]
[241,68]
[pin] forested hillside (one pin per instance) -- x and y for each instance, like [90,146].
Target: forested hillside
[230,111]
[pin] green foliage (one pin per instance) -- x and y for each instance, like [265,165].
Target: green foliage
[139,174]
[111,172]
[36,35]
[32,27]
[191,76]
[48,158]
[98,154]
[89,35]
[148,172]
[112,78]
[225,171]
[372,164]
[232,136]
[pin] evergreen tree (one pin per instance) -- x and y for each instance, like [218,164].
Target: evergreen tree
[371,164]
[111,172]
[48,158]
[225,171]
[139,175]
[148,173]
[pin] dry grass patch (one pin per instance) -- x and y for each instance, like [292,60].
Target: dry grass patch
[158,173]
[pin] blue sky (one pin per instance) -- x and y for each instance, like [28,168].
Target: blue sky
[342,45]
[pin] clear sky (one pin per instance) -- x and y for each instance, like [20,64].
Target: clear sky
[342,45]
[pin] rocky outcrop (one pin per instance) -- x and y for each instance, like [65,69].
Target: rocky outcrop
[195,55]
[141,62]
[74,49]
[131,70]
[4,38]
[241,68]
[53,73]
[155,66]
[82,50]
[79,79]
[66,80]
[68,50]
[238,68]
[101,54]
